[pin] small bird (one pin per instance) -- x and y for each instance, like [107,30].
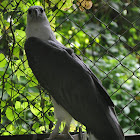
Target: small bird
[76,92]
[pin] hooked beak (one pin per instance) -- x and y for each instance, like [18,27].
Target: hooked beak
[36,12]
[33,12]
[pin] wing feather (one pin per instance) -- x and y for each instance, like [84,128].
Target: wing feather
[97,82]
[73,85]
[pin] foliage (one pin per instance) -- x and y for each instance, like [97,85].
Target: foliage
[107,42]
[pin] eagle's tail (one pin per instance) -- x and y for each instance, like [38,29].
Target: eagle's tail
[107,131]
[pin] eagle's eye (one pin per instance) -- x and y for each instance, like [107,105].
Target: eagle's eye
[41,10]
[29,11]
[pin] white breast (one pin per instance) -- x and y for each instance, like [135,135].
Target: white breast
[40,31]
[61,113]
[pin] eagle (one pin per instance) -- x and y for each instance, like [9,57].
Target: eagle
[75,91]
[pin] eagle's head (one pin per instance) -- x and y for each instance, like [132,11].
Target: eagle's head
[38,24]
[36,14]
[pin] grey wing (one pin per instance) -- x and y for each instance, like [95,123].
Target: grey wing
[97,82]
[73,86]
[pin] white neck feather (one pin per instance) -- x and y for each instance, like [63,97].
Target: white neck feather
[41,30]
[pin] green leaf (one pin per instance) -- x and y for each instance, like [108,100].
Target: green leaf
[11,90]
[33,83]
[114,24]
[2,60]
[132,30]
[6,133]
[24,105]
[25,62]
[35,125]
[65,5]
[2,104]
[35,110]
[10,128]
[22,131]
[16,52]
[17,104]
[19,68]
[20,34]
[10,114]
